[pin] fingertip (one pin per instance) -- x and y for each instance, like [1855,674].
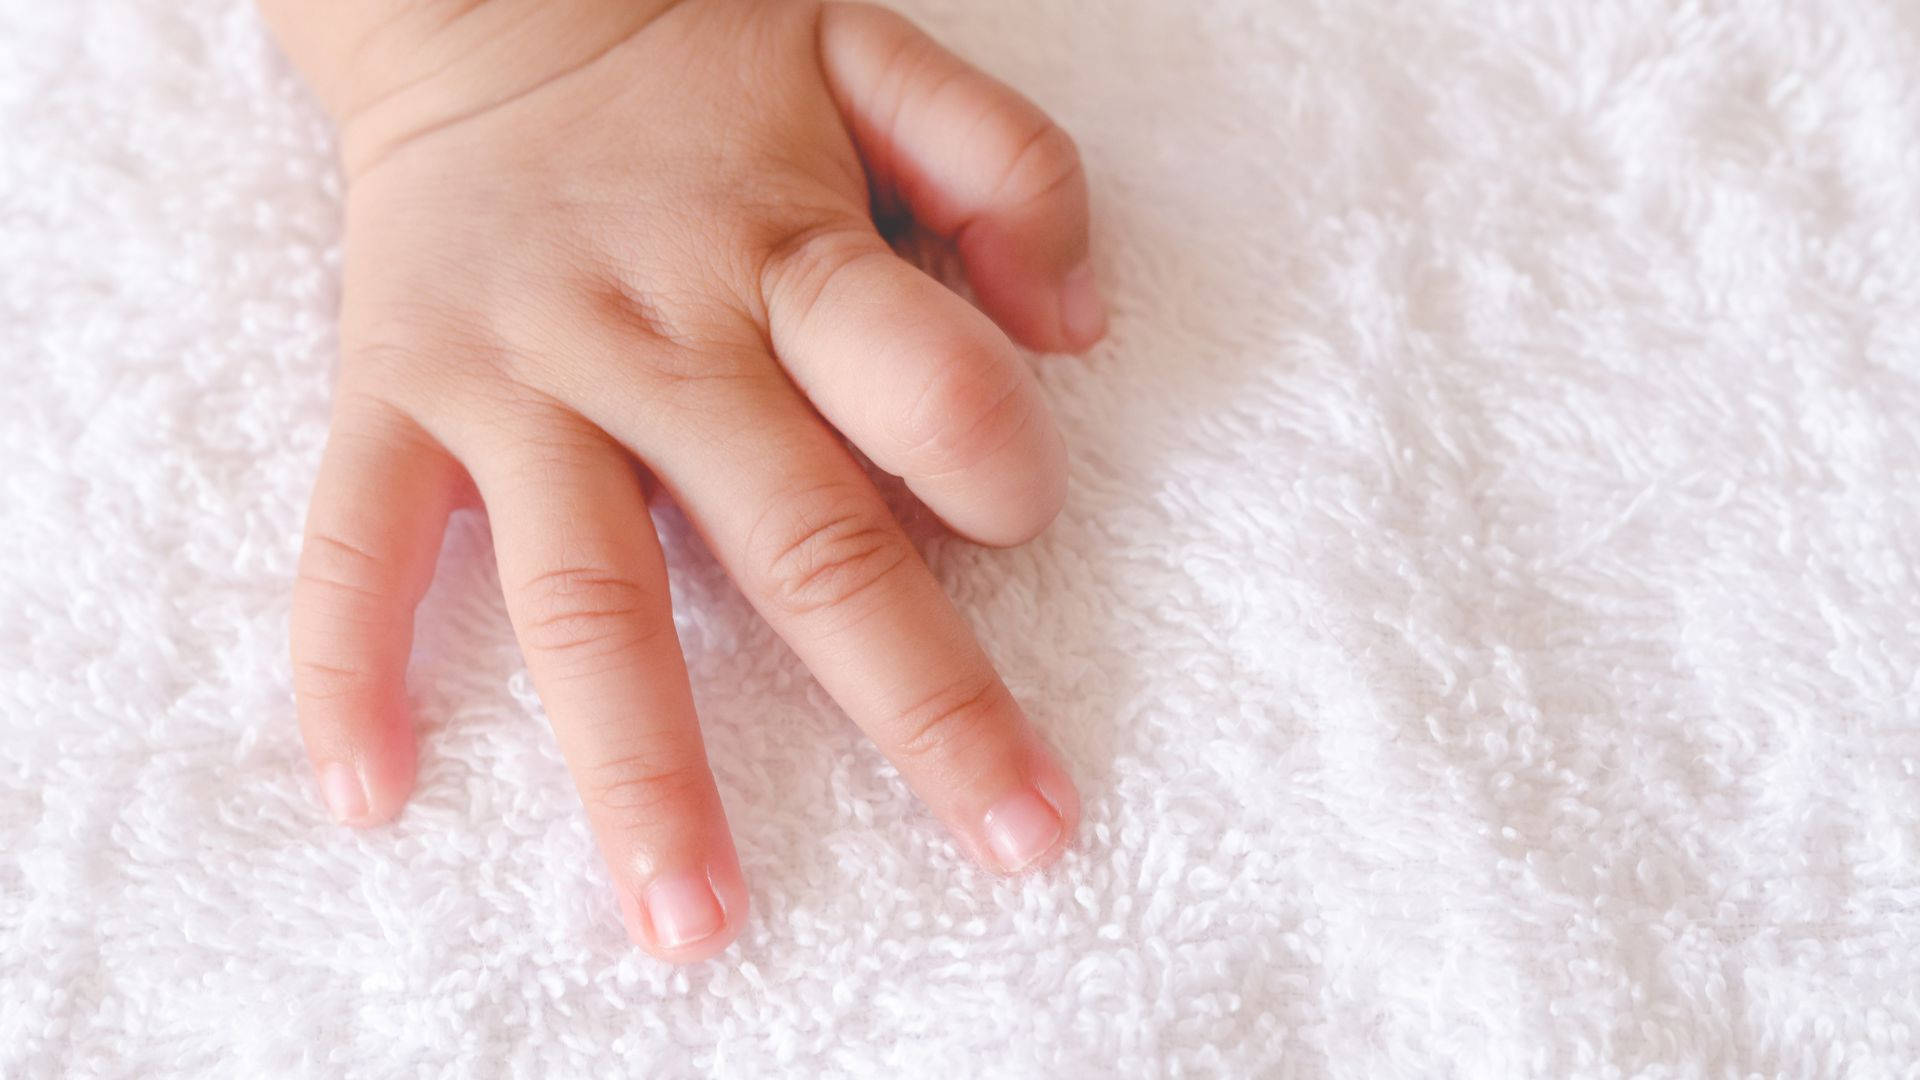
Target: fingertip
[1031,826]
[343,791]
[390,777]
[1018,281]
[1083,314]
[1020,518]
[1021,829]
[686,916]
[371,788]
[1053,783]
[1030,496]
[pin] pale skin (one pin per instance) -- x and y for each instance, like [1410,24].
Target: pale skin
[596,245]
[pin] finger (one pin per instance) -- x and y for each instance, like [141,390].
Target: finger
[812,545]
[919,380]
[586,588]
[379,510]
[974,162]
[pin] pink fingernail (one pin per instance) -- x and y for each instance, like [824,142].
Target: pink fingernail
[1082,313]
[1023,827]
[346,796]
[683,910]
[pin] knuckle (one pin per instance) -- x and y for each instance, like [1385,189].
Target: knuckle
[427,366]
[640,314]
[970,409]
[643,785]
[951,724]
[397,340]
[799,268]
[361,410]
[396,355]
[665,321]
[1043,160]
[914,64]
[315,681]
[338,573]
[824,550]
[548,439]
[584,613]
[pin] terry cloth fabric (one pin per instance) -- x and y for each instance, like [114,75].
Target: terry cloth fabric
[1485,627]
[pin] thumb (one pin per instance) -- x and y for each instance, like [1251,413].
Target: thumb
[975,163]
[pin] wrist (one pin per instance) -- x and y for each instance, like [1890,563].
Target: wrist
[389,70]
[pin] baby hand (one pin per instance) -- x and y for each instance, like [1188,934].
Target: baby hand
[585,233]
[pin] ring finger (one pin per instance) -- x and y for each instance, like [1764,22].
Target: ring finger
[586,587]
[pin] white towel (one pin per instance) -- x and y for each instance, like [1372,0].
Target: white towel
[1485,627]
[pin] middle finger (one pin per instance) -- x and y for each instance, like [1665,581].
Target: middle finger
[799,527]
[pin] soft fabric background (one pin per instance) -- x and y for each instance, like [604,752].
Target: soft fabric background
[1485,627]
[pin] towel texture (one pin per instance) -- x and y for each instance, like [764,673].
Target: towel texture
[1485,627]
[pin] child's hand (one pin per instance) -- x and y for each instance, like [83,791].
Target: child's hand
[582,233]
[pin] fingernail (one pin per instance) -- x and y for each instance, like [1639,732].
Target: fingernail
[1082,312]
[683,910]
[1023,827]
[345,795]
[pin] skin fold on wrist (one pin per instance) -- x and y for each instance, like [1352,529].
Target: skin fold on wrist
[390,70]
